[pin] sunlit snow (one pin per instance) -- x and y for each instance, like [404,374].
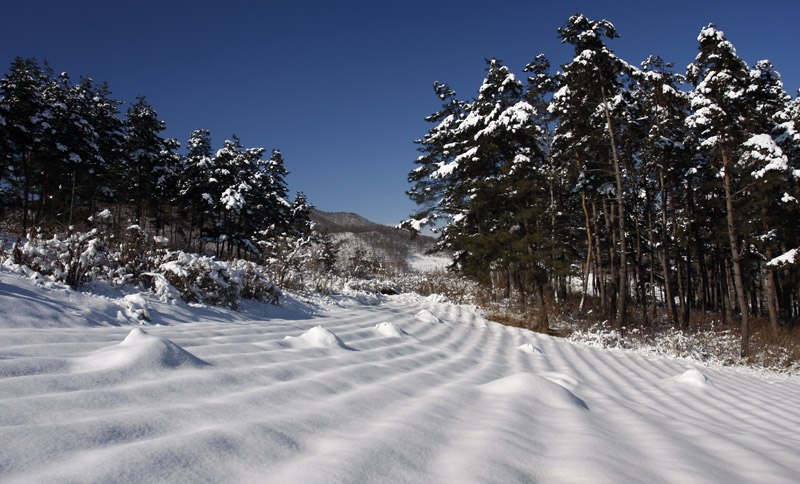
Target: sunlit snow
[411,390]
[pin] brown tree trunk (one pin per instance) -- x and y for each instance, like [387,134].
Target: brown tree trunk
[588,253]
[71,200]
[771,306]
[736,257]
[727,305]
[653,299]
[588,237]
[608,214]
[622,300]
[599,270]
[684,313]
[665,242]
[26,191]
[544,323]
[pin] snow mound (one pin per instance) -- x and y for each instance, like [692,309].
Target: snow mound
[316,337]
[427,317]
[390,330]
[694,377]
[530,349]
[535,388]
[139,351]
[558,378]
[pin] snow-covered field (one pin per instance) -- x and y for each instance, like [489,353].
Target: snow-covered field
[427,263]
[397,389]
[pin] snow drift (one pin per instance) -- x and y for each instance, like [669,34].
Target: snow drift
[213,395]
[139,352]
[317,337]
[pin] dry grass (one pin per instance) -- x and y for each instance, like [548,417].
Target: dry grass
[706,338]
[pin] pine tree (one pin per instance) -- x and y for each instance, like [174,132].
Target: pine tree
[251,208]
[540,88]
[496,137]
[484,161]
[107,128]
[196,194]
[439,148]
[663,152]
[271,212]
[146,162]
[589,83]
[77,156]
[300,216]
[720,111]
[27,116]
[772,179]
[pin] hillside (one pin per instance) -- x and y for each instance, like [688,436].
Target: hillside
[361,241]
[343,222]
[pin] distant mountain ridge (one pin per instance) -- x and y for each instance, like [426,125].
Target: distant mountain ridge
[386,245]
[343,222]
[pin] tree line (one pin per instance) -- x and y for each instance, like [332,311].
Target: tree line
[661,191]
[67,152]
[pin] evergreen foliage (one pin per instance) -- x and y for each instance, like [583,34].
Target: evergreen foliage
[67,156]
[648,186]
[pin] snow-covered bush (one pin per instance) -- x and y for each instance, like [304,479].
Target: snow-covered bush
[71,258]
[375,285]
[712,345]
[258,284]
[133,258]
[715,345]
[209,280]
[202,278]
[161,287]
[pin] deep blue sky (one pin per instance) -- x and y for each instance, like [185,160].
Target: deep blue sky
[341,88]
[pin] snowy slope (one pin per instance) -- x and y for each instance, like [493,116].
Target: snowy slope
[408,390]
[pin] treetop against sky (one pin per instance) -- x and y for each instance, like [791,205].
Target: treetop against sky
[342,89]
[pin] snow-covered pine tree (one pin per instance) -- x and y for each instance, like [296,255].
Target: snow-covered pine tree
[77,152]
[439,147]
[586,135]
[146,162]
[561,209]
[773,201]
[483,171]
[300,216]
[26,117]
[663,156]
[719,120]
[252,208]
[107,127]
[271,210]
[494,137]
[230,172]
[271,176]
[504,230]
[197,190]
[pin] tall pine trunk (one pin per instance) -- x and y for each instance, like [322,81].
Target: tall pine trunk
[771,298]
[665,258]
[684,313]
[736,257]
[588,239]
[622,300]
[652,243]
[588,252]
[26,191]
[71,200]
[598,261]
[613,293]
